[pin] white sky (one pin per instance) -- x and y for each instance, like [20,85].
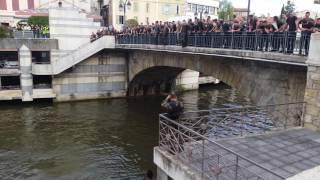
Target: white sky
[274,6]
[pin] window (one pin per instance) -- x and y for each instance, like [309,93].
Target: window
[147,7]
[212,10]
[166,9]
[194,8]
[178,9]
[189,7]
[135,6]
[120,20]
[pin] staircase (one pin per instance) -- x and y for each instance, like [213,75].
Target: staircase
[64,62]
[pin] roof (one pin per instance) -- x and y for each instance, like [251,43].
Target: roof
[240,10]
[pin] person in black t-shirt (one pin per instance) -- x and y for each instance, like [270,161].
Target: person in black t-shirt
[317,26]
[184,33]
[292,23]
[307,25]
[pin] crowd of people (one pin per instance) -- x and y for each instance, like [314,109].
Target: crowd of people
[238,24]
[103,32]
[287,25]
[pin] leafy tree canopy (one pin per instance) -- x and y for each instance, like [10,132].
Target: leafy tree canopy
[132,23]
[289,7]
[4,32]
[38,21]
[226,10]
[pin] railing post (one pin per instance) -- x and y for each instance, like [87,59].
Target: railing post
[203,159]
[237,162]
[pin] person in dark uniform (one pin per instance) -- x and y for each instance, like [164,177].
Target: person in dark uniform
[165,36]
[292,23]
[184,33]
[157,32]
[307,24]
[173,107]
[174,110]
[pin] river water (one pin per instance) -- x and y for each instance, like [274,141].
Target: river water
[103,139]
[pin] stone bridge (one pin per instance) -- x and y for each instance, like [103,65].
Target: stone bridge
[105,69]
[266,78]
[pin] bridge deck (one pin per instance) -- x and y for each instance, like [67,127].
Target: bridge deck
[224,53]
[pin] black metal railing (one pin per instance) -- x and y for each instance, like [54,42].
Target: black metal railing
[192,138]
[282,42]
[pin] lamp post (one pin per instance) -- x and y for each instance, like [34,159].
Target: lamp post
[123,6]
[201,10]
[249,4]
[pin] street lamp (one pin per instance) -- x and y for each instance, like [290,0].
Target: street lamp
[249,3]
[123,6]
[201,10]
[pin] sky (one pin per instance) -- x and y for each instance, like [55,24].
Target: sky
[273,7]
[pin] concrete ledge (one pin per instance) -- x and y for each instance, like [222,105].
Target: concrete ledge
[6,95]
[9,72]
[90,96]
[232,53]
[173,167]
[10,44]
[43,94]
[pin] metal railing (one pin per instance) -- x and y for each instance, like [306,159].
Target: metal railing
[192,138]
[26,34]
[282,42]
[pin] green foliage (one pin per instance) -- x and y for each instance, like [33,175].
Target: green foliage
[40,21]
[132,23]
[289,7]
[4,32]
[226,10]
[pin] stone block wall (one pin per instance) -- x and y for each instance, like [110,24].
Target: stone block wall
[312,93]
[101,76]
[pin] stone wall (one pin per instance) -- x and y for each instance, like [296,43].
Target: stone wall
[263,82]
[312,95]
[102,76]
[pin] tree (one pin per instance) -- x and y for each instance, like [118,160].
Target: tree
[41,21]
[226,10]
[282,11]
[4,32]
[132,23]
[290,7]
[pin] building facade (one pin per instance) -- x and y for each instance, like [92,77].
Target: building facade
[202,9]
[144,11]
[240,12]
[12,11]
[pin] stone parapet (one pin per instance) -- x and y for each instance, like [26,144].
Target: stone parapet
[312,93]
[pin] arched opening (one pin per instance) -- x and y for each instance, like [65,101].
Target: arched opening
[155,80]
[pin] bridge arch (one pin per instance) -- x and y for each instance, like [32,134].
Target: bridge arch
[262,82]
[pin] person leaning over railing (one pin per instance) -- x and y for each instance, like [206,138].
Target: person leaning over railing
[174,109]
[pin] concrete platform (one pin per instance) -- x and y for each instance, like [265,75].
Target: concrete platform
[287,153]
[291,154]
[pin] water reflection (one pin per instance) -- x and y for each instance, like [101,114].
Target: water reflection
[107,139]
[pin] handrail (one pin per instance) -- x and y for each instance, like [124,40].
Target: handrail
[221,146]
[282,42]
